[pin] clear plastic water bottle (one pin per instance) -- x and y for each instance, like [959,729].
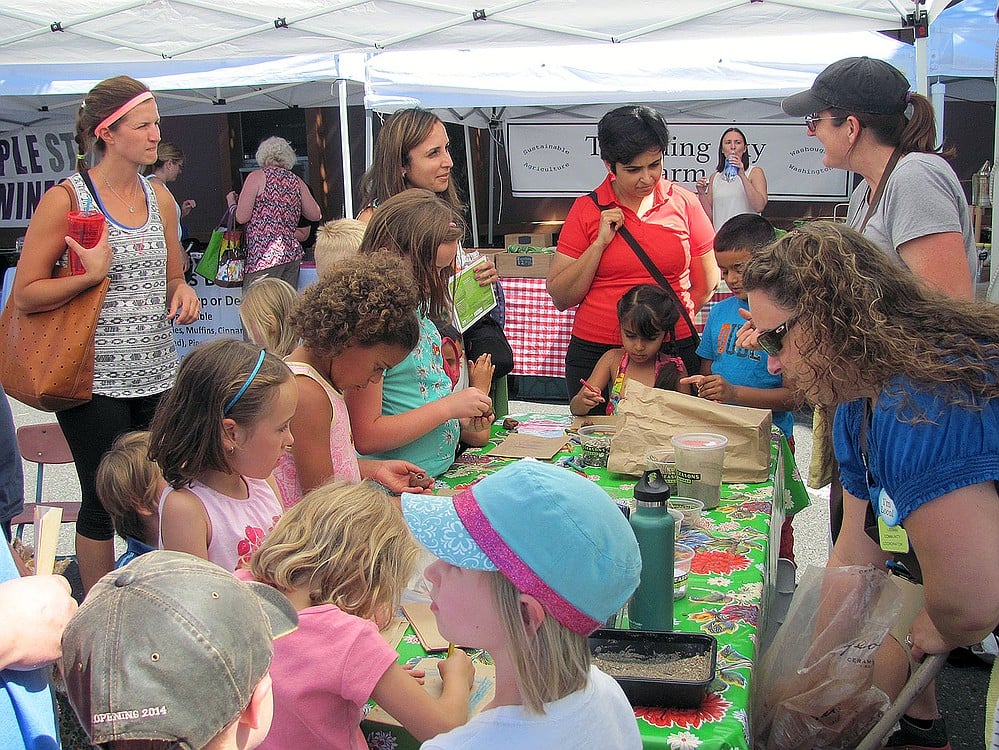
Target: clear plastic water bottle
[651,606]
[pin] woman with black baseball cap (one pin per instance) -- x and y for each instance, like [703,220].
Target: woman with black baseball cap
[910,203]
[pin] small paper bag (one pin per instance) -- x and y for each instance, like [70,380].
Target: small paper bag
[652,416]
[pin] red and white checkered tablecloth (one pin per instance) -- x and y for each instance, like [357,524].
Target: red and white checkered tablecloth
[537,331]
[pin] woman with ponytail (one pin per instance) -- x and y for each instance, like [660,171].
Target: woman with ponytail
[911,206]
[863,113]
[117,127]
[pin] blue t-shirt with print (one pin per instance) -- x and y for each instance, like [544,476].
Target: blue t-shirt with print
[745,367]
[915,463]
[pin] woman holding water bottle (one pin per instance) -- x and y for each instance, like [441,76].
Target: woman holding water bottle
[734,187]
[135,358]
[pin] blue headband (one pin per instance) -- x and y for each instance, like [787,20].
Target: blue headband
[246,383]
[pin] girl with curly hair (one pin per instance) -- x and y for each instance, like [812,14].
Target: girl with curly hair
[412,414]
[356,322]
[914,373]
[342,557]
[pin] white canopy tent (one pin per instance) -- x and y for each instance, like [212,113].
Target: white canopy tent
[281,49]
[136,30]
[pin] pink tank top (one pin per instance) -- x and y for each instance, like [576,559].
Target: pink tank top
[237,526]
[342,451]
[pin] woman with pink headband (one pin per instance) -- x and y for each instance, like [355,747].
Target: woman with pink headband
[135,360]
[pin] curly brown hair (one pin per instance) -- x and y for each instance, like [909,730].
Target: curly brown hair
[414,224]
[866,321]
[371,300]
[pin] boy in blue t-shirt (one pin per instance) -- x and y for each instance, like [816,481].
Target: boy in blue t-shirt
[731,374]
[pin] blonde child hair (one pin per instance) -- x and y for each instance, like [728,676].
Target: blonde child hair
[347,544]
[337,240]
[552,663]
[266,312]
[128,483]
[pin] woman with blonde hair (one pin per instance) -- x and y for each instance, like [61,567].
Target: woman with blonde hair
[167,168]
[342,556]
[272,201]
[135,360]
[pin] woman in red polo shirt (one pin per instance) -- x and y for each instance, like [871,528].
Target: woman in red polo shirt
[595,265]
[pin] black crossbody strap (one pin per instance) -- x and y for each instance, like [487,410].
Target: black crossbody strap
[876,198]
[653,270]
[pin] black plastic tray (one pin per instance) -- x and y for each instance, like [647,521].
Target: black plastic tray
[647,691]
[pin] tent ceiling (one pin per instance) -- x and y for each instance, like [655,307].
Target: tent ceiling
[136,30]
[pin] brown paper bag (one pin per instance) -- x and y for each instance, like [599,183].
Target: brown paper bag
[651,416]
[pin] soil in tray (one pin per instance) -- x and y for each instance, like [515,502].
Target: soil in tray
[653,666]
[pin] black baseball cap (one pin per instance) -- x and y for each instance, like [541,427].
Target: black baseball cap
[856,84]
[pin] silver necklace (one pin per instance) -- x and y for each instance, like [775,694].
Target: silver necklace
[130,205]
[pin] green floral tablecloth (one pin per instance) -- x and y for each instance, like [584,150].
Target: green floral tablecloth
[727,592]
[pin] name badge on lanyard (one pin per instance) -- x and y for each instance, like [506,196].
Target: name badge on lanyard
[891,536]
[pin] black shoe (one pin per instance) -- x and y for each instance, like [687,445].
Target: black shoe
[912,737]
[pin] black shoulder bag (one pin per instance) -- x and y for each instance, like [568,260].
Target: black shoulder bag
[653,271]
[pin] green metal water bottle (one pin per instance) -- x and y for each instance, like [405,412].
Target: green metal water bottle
[651,606]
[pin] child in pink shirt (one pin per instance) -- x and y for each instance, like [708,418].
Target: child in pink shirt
[342,557]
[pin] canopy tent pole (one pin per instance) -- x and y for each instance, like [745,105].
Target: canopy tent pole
[938,96]
[348,194]
[492,176]
[471,187]
[993,293]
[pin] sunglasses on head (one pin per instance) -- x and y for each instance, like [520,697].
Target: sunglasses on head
[811,119]
[772,341]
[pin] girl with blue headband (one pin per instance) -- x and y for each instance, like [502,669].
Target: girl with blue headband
[217,437]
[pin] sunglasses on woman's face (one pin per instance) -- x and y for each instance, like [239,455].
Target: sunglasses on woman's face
[772,341]
[811,119]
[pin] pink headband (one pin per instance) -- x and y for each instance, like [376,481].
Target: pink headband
[525,579]
[123,110]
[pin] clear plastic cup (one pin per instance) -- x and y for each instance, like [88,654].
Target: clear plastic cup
[699,460]
[683,556]
[595,440]
[663,459]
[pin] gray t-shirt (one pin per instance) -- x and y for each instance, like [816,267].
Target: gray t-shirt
[922,197]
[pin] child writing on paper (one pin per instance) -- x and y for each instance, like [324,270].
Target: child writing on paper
[217,437]
[729,373]
[342,556]
[533,559]
[647,316]
[357,321]
[130,485]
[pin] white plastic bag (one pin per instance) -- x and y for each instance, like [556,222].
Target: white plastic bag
[815,682]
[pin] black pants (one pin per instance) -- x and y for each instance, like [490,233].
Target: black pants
[582,356]
[90,429]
